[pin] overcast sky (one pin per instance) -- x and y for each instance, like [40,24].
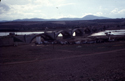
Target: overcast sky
[47,9]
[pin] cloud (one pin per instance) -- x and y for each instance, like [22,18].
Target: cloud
[16,2]
[18,9]
[43,2]
[22,11]
[122,11]
[118,11]
[66,16]
[49,2]
[3,8]
[66,4]
[115,11]
[99,14]
[85,14]
[40,9]
[25,11]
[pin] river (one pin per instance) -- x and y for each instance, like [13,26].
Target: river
[111,32]
[102,33]
[19,33]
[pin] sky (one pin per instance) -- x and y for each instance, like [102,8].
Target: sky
[54,9]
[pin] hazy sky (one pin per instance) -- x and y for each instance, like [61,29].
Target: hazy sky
[19,9]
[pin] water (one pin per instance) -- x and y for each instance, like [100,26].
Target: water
[26,33]
[19,33]
[102,33]
[112,32]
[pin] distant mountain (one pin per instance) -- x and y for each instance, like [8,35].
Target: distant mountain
[92,17]
[88,17]
[32,19]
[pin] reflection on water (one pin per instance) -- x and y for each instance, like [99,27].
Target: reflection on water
[112,32]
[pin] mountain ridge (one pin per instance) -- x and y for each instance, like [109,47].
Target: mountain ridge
[87,17]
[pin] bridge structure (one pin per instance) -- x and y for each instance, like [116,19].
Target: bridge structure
[53,35]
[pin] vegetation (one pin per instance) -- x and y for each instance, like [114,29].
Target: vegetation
[99,24]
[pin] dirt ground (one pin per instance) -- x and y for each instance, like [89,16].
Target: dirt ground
[86,62]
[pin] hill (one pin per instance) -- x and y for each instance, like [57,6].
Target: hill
[88,17]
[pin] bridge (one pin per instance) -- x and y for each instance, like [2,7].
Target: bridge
[51,36]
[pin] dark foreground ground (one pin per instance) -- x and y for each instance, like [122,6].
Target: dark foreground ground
[87,62]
